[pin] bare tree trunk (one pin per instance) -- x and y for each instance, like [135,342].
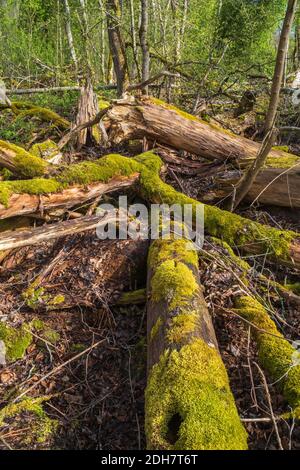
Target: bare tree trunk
[280,64]
[89,70]
[70,35]
[116,44]
[133,38]
[102,40]
[144,43]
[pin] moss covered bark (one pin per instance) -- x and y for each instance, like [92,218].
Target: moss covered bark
[250,237]
[276,354]
[20,162]
[189,404]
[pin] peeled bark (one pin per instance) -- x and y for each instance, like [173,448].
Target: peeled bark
[189,404]
[166,124]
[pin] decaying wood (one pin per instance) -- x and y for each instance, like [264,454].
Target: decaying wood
[158,123]
[183,359]
[88,109]
[22,204]
[272,186]
[13,239]
[168,126]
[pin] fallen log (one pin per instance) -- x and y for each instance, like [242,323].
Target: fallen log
[26,203]
[20,162]
[114,171]
[189,404]
[272,186]
[277,355]
[13,239]
[252,238]
[165,124]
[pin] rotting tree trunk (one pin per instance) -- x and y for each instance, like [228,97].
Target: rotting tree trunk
[13,239]
[189,404]
[87,110]
[276,354]
[115,171]
[24,203]
[161,123]
[272,186]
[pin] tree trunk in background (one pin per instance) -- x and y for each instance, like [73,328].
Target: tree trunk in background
[144,43]
[136,70]
[280,64]
[116,44]
[70,36]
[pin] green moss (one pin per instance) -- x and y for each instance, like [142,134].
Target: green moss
[82,173]
[284,161]
[275,353]
[133,298]
[181,327]
[295,287]
[27,165]
[58,299]
[23,110]
[283,148]
[231,228]
[16,340]
[41,427]
[51,335]
[179,250]
[175,282]
[242,264]
[193,384]
[102,103]
[45,150]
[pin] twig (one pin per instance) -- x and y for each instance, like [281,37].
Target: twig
[58,368]
[270,405]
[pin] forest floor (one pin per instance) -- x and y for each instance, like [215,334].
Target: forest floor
[98,399]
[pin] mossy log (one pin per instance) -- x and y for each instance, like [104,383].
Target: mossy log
[162,123]
[23,109]
[114,172]
[189,404]
[20,162]
[277,355]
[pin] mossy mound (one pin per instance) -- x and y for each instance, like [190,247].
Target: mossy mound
[276,354]
[30,410]
[16,340]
